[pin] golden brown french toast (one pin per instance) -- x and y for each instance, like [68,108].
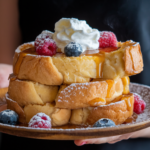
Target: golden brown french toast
[74,96]
[58,116]
[117,111]
[59,69]
[80,95]
[28,92]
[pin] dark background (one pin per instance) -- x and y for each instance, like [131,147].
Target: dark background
[128,19]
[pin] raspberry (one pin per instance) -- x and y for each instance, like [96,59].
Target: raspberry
[139,104]
[107,39]
[45,45]
[45,34]
[40,120]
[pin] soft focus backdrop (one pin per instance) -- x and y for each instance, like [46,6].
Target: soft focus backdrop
[22,20]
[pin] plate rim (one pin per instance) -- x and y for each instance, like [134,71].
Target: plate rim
[119,129]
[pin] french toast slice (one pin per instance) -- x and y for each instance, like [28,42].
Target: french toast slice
[58,116]
[59,69]
[74,96]
[117,111]
[28,92]
[80,95]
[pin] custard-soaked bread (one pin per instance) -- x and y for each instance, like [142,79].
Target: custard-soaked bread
[3,91]
[27,92]
[125,61]
[73,96]
[80,95]
[58,116]
[117,111]
[116,87]
[13,105]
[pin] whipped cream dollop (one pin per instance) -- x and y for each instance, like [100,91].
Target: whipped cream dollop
[73,30]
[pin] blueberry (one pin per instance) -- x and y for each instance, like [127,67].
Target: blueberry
[73,49]
[8,117]
[104,122]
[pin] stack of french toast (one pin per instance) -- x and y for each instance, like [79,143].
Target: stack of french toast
[77,90]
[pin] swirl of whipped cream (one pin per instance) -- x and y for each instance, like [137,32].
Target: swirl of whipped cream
[73,30]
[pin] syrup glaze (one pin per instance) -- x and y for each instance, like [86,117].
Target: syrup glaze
[98,57]
[12,77]
[21,56]
[131,119]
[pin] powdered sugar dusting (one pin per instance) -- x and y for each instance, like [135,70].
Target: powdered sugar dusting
[27,45]
[73,45]
[48,33]
[142,90]
[9,113]
[7,97]
[136,43]
[110,104]
[45,36]
[73,90]
[40,120]
[107,39]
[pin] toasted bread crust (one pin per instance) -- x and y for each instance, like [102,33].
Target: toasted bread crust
[118,112]
[40,69]
[58,116]
[56,70]
[74,96]
[133,60]
[3,91]
[27,92]
[80,95]
[13,105]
